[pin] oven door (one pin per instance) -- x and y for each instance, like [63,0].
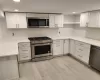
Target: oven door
[40,50]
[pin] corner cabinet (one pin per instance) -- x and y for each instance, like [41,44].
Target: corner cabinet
[55,20]
[58,47]
[84,18]
[16,20]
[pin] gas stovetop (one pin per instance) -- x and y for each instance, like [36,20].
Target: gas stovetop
[40,39]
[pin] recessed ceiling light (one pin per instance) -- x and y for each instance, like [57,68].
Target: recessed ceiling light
[16,0]
[74,12]
[16,10]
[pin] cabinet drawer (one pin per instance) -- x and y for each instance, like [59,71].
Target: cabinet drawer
[24,44]
[24,56]
[82,44]
[24,50]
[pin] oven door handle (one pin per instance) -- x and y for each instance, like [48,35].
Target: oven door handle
[41,44]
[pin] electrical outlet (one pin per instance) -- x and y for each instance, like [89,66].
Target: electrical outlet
[13,34]
[59,32]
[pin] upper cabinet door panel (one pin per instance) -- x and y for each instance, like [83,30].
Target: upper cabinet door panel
[59,20]
[52,20]
[11,19]
[22,23]
[84,18]
[16,20]
[93,19]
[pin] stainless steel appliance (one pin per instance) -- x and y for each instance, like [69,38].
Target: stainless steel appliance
[38,20]
[94,60]
[41,47]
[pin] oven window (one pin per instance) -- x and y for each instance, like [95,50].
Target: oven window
[39,50]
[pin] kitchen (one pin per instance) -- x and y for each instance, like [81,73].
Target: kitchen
[51,44]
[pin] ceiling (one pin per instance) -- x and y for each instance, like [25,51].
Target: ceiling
[51,6]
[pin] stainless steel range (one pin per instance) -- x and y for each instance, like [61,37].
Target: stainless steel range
[41,48]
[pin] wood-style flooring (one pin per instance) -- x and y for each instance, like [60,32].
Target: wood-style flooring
[60,68]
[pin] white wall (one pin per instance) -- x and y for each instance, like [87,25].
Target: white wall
[79,31]
[93,33]
[22,33]
[67,31]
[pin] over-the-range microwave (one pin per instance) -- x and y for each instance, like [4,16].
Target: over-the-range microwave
[38,21]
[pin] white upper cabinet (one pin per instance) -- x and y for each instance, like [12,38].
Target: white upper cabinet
[22,22]
[55,20]
[16,20]
[93,19]
[52,20]
[59,20]
[84,18]
[11,20]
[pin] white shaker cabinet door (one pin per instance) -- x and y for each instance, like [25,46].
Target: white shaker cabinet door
[72,47]
[66,46]
[59,20]
[12,20]
[22,22]
[84,17]
[58,47]
[93,19]
[52,20]
[16,20]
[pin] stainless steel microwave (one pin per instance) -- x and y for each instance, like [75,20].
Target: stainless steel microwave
[37,22]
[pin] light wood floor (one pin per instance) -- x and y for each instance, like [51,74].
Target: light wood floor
[61,68]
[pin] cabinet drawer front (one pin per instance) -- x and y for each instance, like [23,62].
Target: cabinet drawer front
[24,56]
[24,44]
[24,50]
[56,41]
[82,44]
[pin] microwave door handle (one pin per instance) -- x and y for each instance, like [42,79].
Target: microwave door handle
[47,22]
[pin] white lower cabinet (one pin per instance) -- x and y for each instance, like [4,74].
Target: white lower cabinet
[72,47]
[9,68]
[58,47]
[66,46]
[82,51]
[24,51]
